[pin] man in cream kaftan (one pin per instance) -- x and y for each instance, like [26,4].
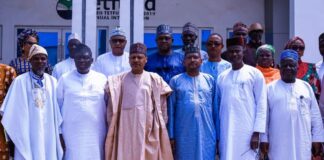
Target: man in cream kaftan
[137,113]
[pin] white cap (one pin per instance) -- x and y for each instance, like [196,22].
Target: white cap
[117,32]
[74,36]
[36,49]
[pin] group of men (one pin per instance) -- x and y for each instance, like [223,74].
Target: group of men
[185,104]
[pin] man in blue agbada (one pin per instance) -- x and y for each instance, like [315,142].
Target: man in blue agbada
[193,115]
[165,62]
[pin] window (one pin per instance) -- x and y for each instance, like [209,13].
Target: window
[55,41]
[102,41]
[204,37]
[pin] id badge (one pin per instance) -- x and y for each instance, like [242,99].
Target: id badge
[39,97]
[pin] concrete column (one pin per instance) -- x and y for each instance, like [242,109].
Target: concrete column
[124,20]
[84,22]
[131,19]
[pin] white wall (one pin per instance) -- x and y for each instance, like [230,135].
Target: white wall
[21,13]
[307,22]
[219,15]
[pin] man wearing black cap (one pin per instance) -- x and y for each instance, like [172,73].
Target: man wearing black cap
[165,62]
[193,115]
[239,30]
[189,37]
[241,92]
[137,112]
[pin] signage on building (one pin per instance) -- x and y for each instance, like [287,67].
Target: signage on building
[106,9]
[109,9]
[64,9]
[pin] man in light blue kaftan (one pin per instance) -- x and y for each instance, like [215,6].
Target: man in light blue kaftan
[215,64]
[193,116]
[165,62]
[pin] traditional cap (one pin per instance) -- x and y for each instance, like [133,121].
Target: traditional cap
[163,29]
[137,48]
[191,49]
[289,53]
[256,27]
[266,47]
[24,35]
[191,28]
[117,32]
[235,41]
[321,37]
[240,26]
[74,36]
[36,49]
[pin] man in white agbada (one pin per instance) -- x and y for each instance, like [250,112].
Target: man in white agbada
[68,64]
[320,64]
[31,115]
[243,103]
[80,94]
[294,122]
[115,61]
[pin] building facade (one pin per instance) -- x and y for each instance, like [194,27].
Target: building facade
[94,19]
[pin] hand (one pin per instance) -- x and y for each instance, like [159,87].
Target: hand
[217,147]
[317,148]
[254,144]
[172,142]
[264,147]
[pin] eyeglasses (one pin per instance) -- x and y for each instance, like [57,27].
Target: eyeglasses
[301,48]
[115,41]
[30,43]
[213,43]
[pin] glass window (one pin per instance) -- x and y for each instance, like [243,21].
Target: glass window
[102,41]
[66,50]
[55,41]
[229,33]
[204,37]
[49,40]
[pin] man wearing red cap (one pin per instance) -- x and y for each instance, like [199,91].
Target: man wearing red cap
[242,103]
[137,112]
